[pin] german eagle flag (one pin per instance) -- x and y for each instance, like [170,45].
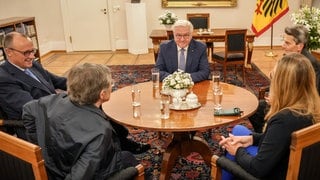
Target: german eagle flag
[266,13]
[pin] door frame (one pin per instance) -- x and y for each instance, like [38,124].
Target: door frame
[66,25]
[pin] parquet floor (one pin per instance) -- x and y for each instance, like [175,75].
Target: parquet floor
[60,62]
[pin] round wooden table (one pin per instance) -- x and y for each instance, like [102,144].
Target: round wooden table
[180,123]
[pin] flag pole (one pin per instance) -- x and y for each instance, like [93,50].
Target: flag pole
[270,53]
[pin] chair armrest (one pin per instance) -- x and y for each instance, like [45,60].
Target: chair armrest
[262,91]
[11,123]
[140,175]
[215,169]
[233,168]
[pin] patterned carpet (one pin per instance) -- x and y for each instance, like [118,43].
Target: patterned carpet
[125,75]
[192,166]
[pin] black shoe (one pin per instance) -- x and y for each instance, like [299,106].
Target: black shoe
[142,147]
[135,147]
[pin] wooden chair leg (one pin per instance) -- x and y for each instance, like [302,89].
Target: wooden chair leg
[243,73]
[214,65]
[159,135]
[225,72]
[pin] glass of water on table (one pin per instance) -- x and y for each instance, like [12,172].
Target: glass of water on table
[155,76]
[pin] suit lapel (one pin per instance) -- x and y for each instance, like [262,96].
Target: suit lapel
[190,55]
[173,56]
[18,74]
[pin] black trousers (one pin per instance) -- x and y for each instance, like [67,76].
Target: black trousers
[122,133]
[257,119]
[121,130]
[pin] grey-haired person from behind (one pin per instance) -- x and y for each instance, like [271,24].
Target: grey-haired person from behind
[78,140]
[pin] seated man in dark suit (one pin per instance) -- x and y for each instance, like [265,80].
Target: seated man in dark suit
[18,88]
[22,80]
[183,53]
[77,139]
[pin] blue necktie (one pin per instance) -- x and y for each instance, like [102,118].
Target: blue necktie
[182,60]
[29,73]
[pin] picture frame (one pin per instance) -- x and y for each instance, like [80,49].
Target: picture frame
[197,3]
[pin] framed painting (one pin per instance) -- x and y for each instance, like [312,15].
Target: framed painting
[196,3]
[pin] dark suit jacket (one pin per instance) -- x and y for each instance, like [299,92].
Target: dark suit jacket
[197,60]
[316,65]
[89,150]
[17,88]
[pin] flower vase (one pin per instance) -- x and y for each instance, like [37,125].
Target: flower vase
[168,27]
[177,97]
[169,31]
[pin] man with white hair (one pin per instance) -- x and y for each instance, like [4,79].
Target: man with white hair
[183,53]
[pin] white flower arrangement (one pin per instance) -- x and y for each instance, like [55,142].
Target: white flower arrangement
[310,18]
[177,80]
[168,18]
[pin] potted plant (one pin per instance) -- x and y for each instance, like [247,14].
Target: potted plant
[177,80]
[168,19]
[310,18]
[177,85]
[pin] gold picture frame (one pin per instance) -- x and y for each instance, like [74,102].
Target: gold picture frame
[196,3]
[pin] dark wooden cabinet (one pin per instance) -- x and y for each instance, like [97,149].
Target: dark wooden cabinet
[25,25]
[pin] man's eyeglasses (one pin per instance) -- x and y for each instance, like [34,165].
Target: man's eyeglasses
[25,53]
[179,36]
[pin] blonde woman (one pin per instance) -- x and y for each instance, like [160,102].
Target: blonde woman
[294,104]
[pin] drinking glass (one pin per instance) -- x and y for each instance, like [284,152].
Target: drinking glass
[135,93]
[156,93]
[164,106]
[216,79]
[217,98]
[155,76]
[136,111]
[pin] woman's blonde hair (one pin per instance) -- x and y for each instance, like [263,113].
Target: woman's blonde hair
[86,81]
[294,87]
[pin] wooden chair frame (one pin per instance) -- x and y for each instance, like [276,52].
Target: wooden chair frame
[31,154]
[228,52]
[25,151]
[193,17]
[199,16]
[299,140]
[262,92]
[140,175]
